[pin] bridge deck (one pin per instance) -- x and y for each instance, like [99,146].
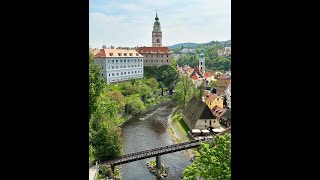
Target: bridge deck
[154,152]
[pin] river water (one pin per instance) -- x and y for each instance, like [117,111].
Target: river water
[149,130]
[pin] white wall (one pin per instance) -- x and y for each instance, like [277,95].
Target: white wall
[123,65]
[205,123]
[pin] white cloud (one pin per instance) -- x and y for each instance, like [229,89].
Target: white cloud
[130,23]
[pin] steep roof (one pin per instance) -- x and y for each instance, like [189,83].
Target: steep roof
[223,76]
[154,50]
[218,111]
[199,72]
[190,70]
[194,76]
[116,53]
[208,74]
[210,96]
[186,67]
[195,110]
[227,115]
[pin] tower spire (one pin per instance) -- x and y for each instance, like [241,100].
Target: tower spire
[156,16]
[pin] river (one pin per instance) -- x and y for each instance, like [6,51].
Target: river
[149,130]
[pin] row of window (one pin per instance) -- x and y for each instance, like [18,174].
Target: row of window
[125,66]
[155,60]
[156,55]
[125,54]
[125,60]
[116,80]
[124,73]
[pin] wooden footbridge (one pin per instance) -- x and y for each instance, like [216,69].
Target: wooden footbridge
[154,152]
[157,152]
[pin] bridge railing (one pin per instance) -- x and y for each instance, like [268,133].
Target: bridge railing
[159,150]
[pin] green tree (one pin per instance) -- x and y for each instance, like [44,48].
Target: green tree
[153,84]
[128,89]
[201,89]
[117,97]
[105,106]
[167,75]
[174,63]
[107,142]
[133,105]
[184,90]
[96,85]
[145,91]
[213,83]
[161,85]
[213,162]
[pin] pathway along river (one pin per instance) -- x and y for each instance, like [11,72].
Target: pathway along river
[149,130]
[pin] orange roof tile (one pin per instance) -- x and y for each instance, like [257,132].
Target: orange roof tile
[194,77]
[117,53]
[211,96]
[218,111]
[190,70]
[186,67]
[208,74]
[223,76]
[196,69]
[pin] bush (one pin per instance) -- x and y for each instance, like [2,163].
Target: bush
[104,171]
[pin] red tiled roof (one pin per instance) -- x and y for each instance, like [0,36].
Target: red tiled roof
[211,96]
[208,74]
[190,70]
[186,67]
[154,50]
[218,111]
[116,53]
[223,76]
[194,77]
[197,70]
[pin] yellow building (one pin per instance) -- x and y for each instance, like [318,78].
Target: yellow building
[212,100]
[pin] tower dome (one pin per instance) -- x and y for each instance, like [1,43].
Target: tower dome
[201,54]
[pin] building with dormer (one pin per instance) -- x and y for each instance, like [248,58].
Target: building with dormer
[119,64]
[157,55]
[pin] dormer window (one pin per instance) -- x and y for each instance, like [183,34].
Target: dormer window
[125,54]
[119,54]
[130,54]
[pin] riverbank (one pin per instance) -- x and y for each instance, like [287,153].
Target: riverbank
[149,130]
[178,134]
[148,107]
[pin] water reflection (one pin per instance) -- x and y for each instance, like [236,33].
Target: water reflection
[146,131]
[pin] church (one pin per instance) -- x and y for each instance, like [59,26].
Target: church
[156,55]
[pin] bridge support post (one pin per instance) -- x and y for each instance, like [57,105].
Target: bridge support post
[158,165]
[112,168]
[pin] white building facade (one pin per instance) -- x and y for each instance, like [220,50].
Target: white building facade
[119,64]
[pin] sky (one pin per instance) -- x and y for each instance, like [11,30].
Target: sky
[129,23]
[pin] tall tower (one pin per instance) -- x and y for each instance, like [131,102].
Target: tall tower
[202,66]
[156,33]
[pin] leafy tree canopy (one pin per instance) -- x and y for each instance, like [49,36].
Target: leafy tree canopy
[213,162]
